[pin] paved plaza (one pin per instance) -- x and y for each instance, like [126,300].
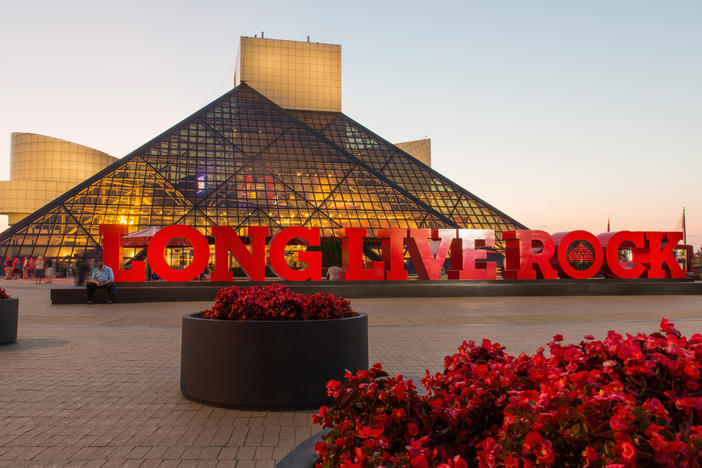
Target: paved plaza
[98,385]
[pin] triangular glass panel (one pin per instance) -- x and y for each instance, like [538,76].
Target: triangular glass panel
[316,119]
[247,120]
[54,234]
[256,189]
[359,142]
[195,160]
[442,195]
[132,194]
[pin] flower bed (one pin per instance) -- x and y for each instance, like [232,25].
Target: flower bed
[270,348]
[276,302]
[618,402]
[3,293]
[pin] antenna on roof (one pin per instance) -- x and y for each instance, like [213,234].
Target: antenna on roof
[261,34]
[308,38]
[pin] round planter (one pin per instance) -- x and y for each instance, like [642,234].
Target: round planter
[8,320]
[269,364]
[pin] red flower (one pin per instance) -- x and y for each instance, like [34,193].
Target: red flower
[420,461]
[627,451]
[545,453]
[597,403]
[398,414]
[532,439]
[590,455]
[618,423]
[276,302]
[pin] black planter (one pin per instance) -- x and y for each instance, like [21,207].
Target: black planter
[8,320]
[269,364]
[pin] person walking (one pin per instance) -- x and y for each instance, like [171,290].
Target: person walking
[91,267]
[25,268]
[32,267]
[81,272]
[8,268]
[49,270]
[15,268]
[38,270]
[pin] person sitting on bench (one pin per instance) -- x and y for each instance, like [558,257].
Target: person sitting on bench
[102,278]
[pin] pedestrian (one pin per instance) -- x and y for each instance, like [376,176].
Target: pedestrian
[335,273]
[8,268]
[81,273]
[16,268]
[25,268]
[61,268]
[91,267]
[32,267]
[38,270]
[49,270]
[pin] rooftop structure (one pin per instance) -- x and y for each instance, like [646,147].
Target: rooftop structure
[245,160]
[41,169]
[294,75]
[419,149]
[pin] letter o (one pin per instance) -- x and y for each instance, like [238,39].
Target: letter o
[564,240]
[156,253]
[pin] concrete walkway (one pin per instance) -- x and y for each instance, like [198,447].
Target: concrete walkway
[98,385]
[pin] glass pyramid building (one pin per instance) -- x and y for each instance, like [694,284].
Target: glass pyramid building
[243,160]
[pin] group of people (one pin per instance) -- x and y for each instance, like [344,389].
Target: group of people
[37,268]
[94,275]
[45,268]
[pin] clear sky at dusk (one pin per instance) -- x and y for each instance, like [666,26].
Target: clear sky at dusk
[560,113]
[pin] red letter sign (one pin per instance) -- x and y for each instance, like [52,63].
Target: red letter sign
[157,248]
[661,260]
[253,263]
[277,254]
[521,262]
[112,254]
[352,257]
[393,241]
[580,254]
[612,242]
[464,255]
[429,266]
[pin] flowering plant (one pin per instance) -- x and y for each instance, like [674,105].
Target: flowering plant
[276,302]
[3,293]
[611,403]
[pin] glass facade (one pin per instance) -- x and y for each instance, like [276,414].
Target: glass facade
[243,160]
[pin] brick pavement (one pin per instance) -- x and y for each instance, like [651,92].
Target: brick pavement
[99,385]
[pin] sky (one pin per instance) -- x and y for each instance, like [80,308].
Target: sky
[561,114]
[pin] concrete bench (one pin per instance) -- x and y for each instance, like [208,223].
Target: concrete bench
[206,291]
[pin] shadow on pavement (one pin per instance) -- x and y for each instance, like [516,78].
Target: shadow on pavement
[33,343]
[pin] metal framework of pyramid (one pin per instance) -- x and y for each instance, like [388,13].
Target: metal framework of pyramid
[243,160]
